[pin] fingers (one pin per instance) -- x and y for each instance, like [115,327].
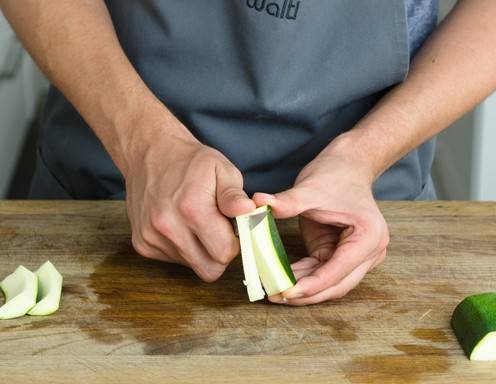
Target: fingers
[216,234]
[337,291]
[202,264]
[199,213]
[286,204]
[150,251]
[206,241]
[164,250]
[189,248]
[305,263]
[307,268]
[358,248]
[177,206]
[231,198]
[364,241]
[320,239]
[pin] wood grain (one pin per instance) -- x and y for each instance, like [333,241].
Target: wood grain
[126,319]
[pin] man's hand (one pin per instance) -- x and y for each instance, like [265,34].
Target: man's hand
[179,193]
[175,185]
[344,232]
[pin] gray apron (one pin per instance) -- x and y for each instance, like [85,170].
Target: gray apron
[268,83]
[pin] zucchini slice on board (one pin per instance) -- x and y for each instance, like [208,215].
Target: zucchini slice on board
[49,290]
[20,289]
[474,323]
[263,255]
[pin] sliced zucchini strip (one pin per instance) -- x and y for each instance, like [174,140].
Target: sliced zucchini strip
[252,280]
[20,290]
[262,251]
[49,290]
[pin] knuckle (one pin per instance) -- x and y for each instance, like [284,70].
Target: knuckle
[189,208]
[209,274]
[385,237]
[163,225]
[381,258]
[223,257]
[186,208]
[373,219]
[147,236]
[377,222]
[225,254]
[136,243]
[208,278]
[385,240]
[141,248]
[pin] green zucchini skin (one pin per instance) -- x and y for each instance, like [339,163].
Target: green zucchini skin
[473,319]
[279,246]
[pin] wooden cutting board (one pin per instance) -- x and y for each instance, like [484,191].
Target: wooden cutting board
[125,319]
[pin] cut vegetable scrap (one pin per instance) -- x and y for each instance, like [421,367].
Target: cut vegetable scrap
[474,323]
[20,290]
[265,262]
[49,290]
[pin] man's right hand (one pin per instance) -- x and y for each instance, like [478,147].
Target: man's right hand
[179,191]
[180,194]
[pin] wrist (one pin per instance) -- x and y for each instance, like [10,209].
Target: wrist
[357,155]
[134,131]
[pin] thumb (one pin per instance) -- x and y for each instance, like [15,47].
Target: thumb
[231,199]
[285,204]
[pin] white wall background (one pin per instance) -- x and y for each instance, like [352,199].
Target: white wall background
[21,85]
[465,163]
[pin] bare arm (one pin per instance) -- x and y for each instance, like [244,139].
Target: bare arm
[178,190]
[453,72]
[75,45]
[345,233]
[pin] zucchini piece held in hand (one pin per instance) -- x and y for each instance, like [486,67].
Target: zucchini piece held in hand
[474,323]
[265,262]
[49,290]
[20,290]
[252,280]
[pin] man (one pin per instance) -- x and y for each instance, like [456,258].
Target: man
[201,104]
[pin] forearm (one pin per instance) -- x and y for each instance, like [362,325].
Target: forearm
[453,72]
[75,45]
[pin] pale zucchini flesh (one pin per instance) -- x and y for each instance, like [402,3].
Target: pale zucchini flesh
[49,290]
[252,280]
[20,290]
[474,324]
[264,255]
[485,349]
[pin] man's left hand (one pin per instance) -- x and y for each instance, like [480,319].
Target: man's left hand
[344,232]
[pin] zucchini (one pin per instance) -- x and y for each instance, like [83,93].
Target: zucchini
[252,281]
[20,290]
[265,262]
[49,290]
[474,324]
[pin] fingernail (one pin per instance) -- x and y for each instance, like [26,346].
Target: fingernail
[278,299]
[240,196]
[269,196]
[292,293]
